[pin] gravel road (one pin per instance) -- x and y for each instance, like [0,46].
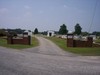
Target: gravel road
[46,59]
[48,48]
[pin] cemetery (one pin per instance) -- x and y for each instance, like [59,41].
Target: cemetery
[62,43]
[50,33]
[71,42]
[18,41]
[24,39]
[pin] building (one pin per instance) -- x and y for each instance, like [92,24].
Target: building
[29,33]
[50,33]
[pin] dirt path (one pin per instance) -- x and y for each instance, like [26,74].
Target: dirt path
[49,48]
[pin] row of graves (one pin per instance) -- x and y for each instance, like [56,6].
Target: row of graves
[79,42]
[82,41]
[24,38]
[73,40]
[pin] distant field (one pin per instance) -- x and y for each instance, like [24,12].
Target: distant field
[82,51]
[3,42]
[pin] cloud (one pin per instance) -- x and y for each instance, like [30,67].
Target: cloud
[3,10]
[28,14]
[41,11]
[27,7]
[65,6]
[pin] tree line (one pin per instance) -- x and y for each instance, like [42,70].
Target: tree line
[4,32]
[14,32]
[62,31]
[78,30]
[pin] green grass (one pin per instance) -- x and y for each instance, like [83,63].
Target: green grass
[3,42]
[82,51]
[97,41]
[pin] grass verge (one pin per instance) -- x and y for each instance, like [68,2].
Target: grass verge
[97,41]
[3,42]
[82,51]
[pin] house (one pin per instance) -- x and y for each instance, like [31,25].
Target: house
[29,33]
[93,36]
[50,33]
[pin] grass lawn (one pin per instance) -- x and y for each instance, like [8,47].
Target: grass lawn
[3,42]
[97,41]
[82,51]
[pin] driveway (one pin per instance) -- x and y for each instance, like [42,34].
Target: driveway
[47,59]
[48,48]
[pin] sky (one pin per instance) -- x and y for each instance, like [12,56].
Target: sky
[50,14]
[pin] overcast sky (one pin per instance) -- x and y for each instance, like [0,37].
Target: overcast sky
[49,14]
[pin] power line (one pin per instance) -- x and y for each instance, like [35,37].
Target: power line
[93,16]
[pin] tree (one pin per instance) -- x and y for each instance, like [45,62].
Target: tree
[96,33]
[63,29]
[78,29]
[2,32]
[36,31]
[18,31]
[44,33]
[85,33]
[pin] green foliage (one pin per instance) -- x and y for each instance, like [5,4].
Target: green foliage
[63,29]
[96,33]
[2,32]
[85,33]
[15,31]
[78,29]
[36,31]
[44,33]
